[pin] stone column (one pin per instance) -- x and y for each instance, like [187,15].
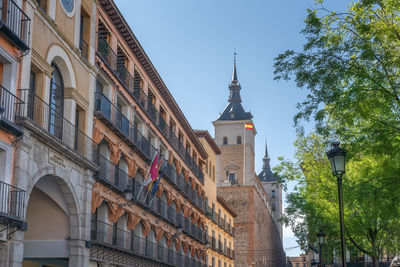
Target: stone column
[16,248]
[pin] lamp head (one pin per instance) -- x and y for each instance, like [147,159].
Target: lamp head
[337,159]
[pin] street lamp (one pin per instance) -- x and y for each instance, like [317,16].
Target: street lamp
[321,239]
[337,159]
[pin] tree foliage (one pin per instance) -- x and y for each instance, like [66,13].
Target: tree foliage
[350,66]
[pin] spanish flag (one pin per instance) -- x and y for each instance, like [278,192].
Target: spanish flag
[248,126]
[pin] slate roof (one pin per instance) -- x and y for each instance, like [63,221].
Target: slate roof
[234,110]
[266,175]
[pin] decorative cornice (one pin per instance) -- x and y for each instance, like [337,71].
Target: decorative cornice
[72,93]
[41,63]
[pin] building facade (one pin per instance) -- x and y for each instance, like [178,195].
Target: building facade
[257,239]
[220,216]
[14,42]
[136,122]
[83,115]
[274,191]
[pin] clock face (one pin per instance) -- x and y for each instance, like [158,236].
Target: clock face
[68,5]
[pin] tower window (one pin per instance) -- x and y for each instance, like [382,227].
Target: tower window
[273,194]
[225,141]
[273,206]
[232,177]
[239,140]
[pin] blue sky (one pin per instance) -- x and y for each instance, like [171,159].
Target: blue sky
[191,44]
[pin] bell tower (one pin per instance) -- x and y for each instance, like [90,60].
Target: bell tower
[234,134]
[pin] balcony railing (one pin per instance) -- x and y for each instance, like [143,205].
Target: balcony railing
[12,202]
[15,24]
[113,176]
[10,108]
[160,207]
[109,235]
[128,132]
[132,84]
[106,53]
[49,120]
[115,119]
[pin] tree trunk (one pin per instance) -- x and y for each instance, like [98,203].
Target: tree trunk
[375,260]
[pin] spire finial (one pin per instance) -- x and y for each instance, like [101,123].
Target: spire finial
[266,158]
[234,74]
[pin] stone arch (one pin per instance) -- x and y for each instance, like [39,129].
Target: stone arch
[58,55]
[69,195]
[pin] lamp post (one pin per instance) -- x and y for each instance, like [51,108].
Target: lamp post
[337,159]
[321,239]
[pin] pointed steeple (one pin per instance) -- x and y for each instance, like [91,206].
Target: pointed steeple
[234,74]
[266,158]
[266,174]
[234,87]
[234,110]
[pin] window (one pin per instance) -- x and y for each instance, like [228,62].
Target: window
[273,206]
[225,141]
[213,262]
[207,166]
[56,112]
[273,194]
[304,265]
[84,34]
[5,163]
[232,177]
[239,140]
[304,259]
[297,264]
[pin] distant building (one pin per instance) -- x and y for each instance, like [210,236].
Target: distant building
[304,260]
[220,216]
[273,189]
[257,239]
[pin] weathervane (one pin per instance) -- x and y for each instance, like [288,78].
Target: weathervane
[234,55]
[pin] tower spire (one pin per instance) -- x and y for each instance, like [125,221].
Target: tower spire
[266,158]
[234,87]
[234,74]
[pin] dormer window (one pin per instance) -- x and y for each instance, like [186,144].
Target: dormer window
[225,140]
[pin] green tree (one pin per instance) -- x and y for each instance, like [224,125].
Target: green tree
[371,196]
[350,65]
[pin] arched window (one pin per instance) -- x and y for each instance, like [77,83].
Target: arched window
[56,111]
[225,142]
[239,140]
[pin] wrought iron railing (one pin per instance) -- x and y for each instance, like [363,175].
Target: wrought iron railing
[10,106]
[15,23]
[133,85]
[107,54]
[114,117]
[109,235]
[51,121]
[12,202]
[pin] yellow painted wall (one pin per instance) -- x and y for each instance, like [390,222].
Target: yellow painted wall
[211,192]
[65,24]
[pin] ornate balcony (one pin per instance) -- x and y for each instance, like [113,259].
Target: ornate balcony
[12,205]
[121,125]
[15,24]
[52,127]
[110,236]
[10,108]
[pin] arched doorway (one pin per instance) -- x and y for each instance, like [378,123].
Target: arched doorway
[51,216]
